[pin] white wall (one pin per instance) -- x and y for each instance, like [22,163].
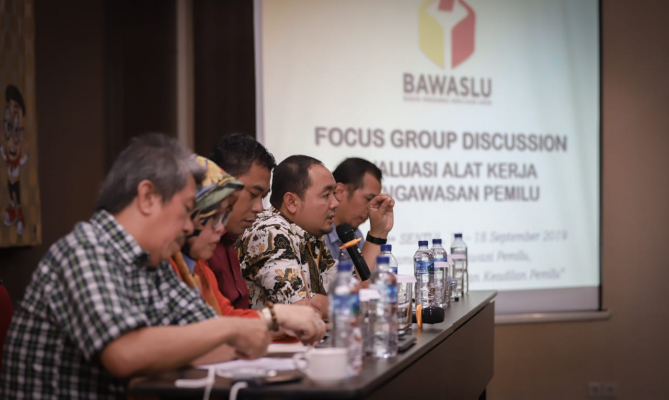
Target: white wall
[556,360]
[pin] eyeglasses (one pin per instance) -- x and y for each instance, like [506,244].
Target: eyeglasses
[218,220]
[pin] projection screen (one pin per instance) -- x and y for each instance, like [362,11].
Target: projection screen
[483,115]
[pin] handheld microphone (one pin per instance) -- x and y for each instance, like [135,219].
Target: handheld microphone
[431,315]
[346,234]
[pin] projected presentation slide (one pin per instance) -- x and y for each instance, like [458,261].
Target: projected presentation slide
[483,116]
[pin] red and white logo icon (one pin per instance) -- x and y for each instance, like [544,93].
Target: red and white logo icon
[443,19]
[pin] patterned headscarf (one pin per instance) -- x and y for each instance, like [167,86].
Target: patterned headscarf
[215,190]
[216,187]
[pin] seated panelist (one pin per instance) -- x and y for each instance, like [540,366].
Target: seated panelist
[104,304]
[250,162]
[214,202]
[358,192]
[283,256]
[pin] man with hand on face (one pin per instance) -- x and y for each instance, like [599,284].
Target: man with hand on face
[104,304]
[246,159]
[215,198]
[358,192]
[283,255]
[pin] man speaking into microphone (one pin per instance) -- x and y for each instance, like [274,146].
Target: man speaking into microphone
[284,256]
[358,191]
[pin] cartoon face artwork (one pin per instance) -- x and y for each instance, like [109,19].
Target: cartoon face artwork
[13,154]
[13,129]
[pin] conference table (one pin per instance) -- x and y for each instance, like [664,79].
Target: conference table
[450,360]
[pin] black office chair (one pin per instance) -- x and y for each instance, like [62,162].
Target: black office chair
[6,312]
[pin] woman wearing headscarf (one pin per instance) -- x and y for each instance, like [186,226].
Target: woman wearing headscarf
[214,201]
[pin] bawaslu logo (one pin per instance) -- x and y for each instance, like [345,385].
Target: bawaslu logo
[437,21]
[432,33]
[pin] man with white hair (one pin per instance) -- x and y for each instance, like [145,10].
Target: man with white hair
[104,305]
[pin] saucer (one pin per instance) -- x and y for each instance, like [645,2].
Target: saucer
[327,382]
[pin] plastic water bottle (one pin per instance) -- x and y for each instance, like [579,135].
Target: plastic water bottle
[442,293]
[344,309]
[386,250]
[385,322]
[460,268]
[403,295]
[368,299]
[345,257]
[424,271]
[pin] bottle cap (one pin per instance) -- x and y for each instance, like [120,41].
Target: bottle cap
[386,247]
[458,235]
[382,260]
[422,243]
[345,266]
[436,241]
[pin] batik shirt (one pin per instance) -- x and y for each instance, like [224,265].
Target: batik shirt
[91,287]
[275,254]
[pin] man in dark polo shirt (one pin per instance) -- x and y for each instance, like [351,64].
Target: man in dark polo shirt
[243,157]
[360,199]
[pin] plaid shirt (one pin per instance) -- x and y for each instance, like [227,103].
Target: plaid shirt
[90,288]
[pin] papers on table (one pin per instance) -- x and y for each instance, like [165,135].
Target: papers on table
[265,363]
[286,348]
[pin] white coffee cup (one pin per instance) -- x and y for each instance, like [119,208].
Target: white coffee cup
[326,365]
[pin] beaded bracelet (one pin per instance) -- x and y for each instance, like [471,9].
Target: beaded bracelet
[266,317]
[272,321]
